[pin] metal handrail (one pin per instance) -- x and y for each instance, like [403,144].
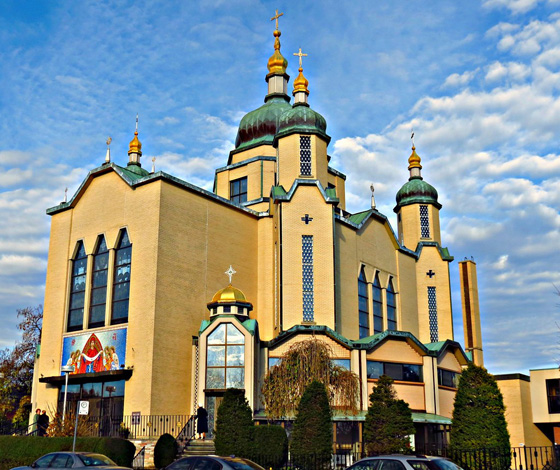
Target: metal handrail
[186,434]
[138,461]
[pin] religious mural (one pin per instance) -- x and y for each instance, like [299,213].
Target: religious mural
[95,352]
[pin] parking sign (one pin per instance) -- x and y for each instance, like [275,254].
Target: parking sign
[83,408]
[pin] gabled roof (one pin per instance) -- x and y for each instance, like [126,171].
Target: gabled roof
[443,251]
[278,193]
[440,347]
[135,177]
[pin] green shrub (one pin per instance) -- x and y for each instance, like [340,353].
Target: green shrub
[270,446]
[24,450]
[165,450]
[234,425]
[312,436]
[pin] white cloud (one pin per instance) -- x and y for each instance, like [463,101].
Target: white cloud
[456,79]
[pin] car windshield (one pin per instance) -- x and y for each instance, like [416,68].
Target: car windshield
[96,460]
[421,465]
[241,464]
[443,464]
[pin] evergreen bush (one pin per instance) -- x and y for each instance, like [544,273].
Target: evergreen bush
[24,450]
[388,421]
[234,425]
[165,450]
[479,420]
[312,436]
[270,446]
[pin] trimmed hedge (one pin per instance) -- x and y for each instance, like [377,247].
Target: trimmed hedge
[165,450]
[270,446]
[24,450]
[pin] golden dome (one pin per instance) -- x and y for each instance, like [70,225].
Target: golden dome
[300,83]
[228,295]
[135,145]
[277,63]
[414,160]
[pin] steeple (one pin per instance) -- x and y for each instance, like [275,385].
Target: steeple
[135,148]
[414,165]
[300,83]
[277,77]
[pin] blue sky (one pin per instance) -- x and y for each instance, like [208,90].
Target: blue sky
[478,81]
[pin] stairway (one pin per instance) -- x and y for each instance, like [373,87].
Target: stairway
[199,447]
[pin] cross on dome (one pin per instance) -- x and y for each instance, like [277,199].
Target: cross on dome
[300,55]
[230,272]
[275,17]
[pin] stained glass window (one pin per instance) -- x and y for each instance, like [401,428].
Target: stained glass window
[78,289]
[391,307]
[99,284]
[121,284]
[225,360]
[363,301]
[377,306]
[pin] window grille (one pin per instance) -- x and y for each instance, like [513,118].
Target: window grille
[307,276]
[424,222]
[432,311]
[363,313]
[305,155]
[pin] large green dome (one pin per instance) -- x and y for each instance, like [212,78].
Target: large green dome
[301,118]
[261,125]
[417,191]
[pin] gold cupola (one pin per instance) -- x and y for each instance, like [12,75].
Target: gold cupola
[229,301]
[135,148]
[414,160]
[277,77]
[277,63]
[301,92]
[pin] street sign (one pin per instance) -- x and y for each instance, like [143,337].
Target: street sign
[135,418]
[83,408]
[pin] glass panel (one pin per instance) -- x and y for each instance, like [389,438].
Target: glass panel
[243,185]
[76,317]
[80,266]
[100,278]
[378,323]
[215,378]
[235,356]
[120,309]
[345,363]
[363,304]
[101,262]
[92,390]
[234,336]
[218,336]
[122,291]
[272,361]
[77,300]
[412,372]
[395,371]
[119,389]
[79,283]
[102,246]
[97,315]
[124,241]
[216,356]
[374,369]
[44,462]
[99,295]
[235,377]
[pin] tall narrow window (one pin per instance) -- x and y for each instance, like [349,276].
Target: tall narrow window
[424,222]
[432,314]
[77,289]
[99,284]
[363,305]
[377,306]
[121,284]
[391,307]
[225,358]
[305,155]
[238,190]
[307,276]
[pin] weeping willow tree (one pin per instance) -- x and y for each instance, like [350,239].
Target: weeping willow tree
[303,363]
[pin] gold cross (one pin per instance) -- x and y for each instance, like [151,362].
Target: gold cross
[300,55]
[275,17]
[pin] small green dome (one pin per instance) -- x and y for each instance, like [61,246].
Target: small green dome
[261,125]
[301,118]
[417,191]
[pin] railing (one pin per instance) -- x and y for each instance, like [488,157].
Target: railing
[187,434]
[138,462]
[8,429]
[136,427]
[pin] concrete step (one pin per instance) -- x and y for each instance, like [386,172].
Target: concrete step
[199,447]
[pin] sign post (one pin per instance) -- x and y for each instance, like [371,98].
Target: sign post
[81,409]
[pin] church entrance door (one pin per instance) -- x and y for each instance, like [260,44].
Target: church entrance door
[213,402]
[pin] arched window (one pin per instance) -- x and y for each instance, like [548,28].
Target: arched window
[121,284]
[363,304]
[391,307]
[77,289]
[225,359]
[98,299]
[377,306]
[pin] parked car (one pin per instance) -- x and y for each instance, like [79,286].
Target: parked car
[212,462]
[443,463]
[394,462]
[59,460]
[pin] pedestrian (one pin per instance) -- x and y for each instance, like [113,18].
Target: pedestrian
[43,424]
[35,425]
[201,422]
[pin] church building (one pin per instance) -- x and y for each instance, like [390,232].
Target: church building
[137,302]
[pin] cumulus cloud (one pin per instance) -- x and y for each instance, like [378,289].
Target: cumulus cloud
[456,79]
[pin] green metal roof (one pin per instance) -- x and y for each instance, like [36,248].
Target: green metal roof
[302,119]
[430,418]
[359,217]
[416,191]
[250,324]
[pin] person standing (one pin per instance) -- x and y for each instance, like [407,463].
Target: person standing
[42,424]
[201,422]
[35,425]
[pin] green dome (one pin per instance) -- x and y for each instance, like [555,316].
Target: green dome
[261,125]
[301,118]
[417,191]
